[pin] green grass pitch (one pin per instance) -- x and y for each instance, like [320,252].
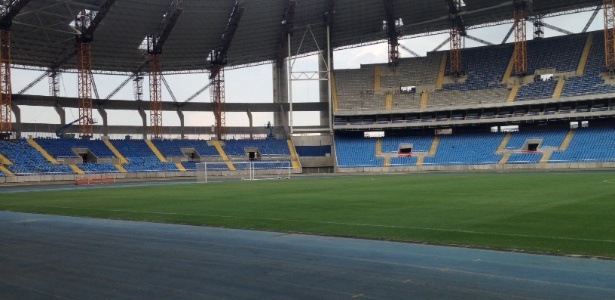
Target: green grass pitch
[564,213]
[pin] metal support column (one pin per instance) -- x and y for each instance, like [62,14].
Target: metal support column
[520,51]
[218,99]
[455,54]
[290,88]
[84,66]
[5,82]
[155,94]
[609,34]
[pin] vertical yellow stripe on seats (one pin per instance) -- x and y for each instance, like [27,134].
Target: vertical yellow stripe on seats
[116,152]
[76,169]
[566,140]
[180,167]
[441,70]
[424,99]
[378,147]
[6,171]
[225,158]
[585,54]
[40,149]
[558,88]
[513,93]
[376,79]
[504,158]
[333,93]
[509,68]
[293,154]
[155,150]
[434,146]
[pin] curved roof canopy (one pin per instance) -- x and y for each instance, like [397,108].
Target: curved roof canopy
[42,35]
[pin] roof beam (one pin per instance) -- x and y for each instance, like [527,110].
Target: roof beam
[392,32]
[512,28]
[11,9]
[197,94]
[218,55]
[409,50]
[287,28]
[169,20]
[591,19]
[479,40]
[564,31]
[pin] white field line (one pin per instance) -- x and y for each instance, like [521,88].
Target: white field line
[338,223]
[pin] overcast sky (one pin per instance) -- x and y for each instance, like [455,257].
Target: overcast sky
[254,84]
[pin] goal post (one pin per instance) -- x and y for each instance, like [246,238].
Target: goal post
[242,170]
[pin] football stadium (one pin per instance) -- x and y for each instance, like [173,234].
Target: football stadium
[500,137]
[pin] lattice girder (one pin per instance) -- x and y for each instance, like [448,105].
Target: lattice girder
[155,94]
[5,81]
[84,82]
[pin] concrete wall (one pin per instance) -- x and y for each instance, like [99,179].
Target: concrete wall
[375,170]
[471,168]
[318,140]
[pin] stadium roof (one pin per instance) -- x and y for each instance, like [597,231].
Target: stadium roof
[41,34]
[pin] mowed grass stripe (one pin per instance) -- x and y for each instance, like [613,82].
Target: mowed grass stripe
[572,213]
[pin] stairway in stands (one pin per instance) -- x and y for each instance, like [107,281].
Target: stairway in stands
[293,155]
[225,158]
[5,161]
[117,154]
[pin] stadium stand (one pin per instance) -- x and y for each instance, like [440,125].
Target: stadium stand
[172,148]
[467,149]
[27,160]
[60,148]
[550,138]
[97,168]
[588,145]
[266,147]
[356,152]
[141,157]
[524,158]
[590,82]
[484,68]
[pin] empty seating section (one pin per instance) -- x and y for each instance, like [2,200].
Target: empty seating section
[356,152]
[27,160]
[467,149]
[403,161]
[560,53]
[172,148]
[356,91]
[538,89]
[416,71]
[524,158]
[61,148]
[97,168]
[550,138]
[483,66]
[588,145]
[355,88]
[419,143]
[266,147]
[141,157]
[591,82]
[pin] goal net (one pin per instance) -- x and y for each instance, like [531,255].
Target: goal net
[244,170]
